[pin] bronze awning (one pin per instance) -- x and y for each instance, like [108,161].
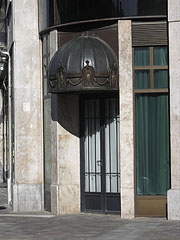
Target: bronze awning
[85,63]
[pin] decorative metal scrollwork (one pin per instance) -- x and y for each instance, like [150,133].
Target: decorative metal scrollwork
[52,83]
[113,75]
[86,78]
[88,74]
[61,76]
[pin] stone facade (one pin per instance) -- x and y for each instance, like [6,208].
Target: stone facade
[126,120]
[174,72]
[27,87]
[64,126]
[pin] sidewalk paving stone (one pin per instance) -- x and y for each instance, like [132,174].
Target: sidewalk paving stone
[86,227]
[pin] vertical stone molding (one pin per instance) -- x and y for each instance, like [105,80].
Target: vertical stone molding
[68,155]
[126,119]
[27,108]
[174,73]
[65,188]
[54,137]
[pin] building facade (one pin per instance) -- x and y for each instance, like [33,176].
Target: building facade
[93,107]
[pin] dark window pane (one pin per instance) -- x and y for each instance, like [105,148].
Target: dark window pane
[152,7]
[160,56]
[141,56]
[77,10]
[152,144]
[161,78]
[142,79]
[50,13]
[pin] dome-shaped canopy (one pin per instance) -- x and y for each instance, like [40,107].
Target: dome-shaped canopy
[83,63]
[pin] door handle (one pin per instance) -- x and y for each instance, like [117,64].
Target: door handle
[99,162]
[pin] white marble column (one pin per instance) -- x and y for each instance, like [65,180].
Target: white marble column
[174,72]
[28,182]
[126,119]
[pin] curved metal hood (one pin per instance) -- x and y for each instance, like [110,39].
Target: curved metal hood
[86,63]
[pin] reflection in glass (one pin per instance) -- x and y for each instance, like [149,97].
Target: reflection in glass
[77,10]
[92,150]
[112,146]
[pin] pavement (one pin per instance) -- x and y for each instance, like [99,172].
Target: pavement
[86,226]
[42,226]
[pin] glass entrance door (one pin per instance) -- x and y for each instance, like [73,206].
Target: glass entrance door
[100,173]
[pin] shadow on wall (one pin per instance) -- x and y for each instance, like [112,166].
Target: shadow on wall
[65,110]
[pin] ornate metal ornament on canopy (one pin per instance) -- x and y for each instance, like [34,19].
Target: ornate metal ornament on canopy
[85,63]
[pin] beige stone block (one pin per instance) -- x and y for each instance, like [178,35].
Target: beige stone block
[175,160]
[66,155]
[28,135]
[173,10]
[174,61]
[125,55]
[173,204]
[69,199]
[127,203]
[26,18]
[126,119]
[174,55]
[55,199]
[27,65]
[27,197]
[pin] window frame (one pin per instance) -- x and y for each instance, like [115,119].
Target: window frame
[151,67]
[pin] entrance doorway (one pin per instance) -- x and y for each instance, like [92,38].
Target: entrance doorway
[100,165]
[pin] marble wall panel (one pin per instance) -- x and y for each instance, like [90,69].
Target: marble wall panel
[27,64]
[174,204]
[127,203]
[174,71]
[55,200]
[173,10]
[28,136]
[27,197]
[27,106]
[173,196]
[26,19]
[126,110]
[69,154]
[126,119]
[69,195]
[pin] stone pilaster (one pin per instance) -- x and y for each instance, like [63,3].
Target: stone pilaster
[28,182]
[68,156]
[174,73]
[126,119]
[65,187]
